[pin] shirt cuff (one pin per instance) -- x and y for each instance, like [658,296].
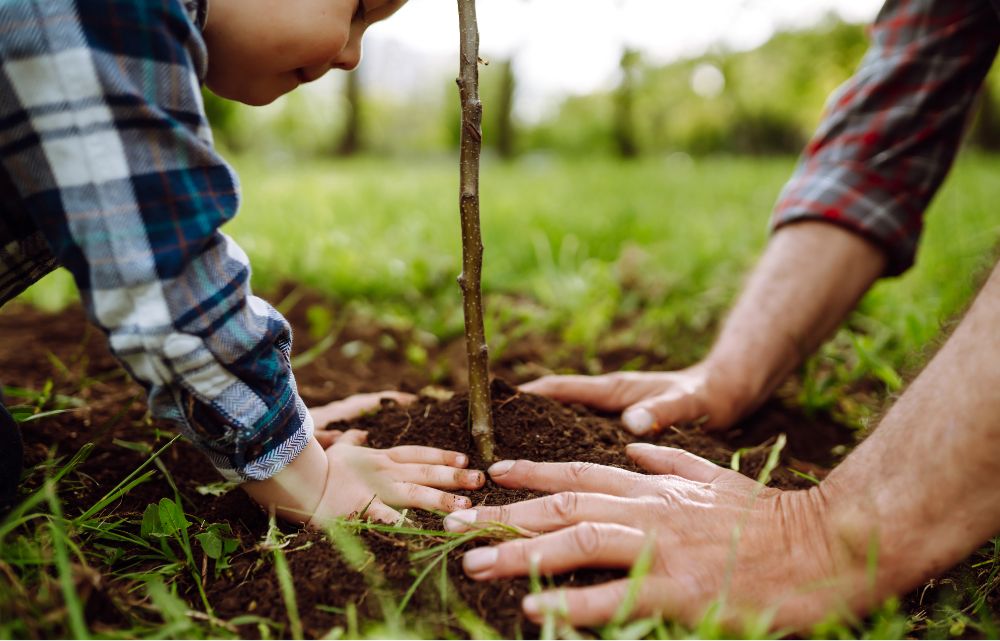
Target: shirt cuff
[858,202]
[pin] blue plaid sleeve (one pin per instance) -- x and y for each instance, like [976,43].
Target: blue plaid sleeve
[105,141]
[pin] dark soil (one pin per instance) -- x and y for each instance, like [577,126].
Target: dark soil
[36,347]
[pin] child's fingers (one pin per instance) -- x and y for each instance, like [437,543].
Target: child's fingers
[425,498]
[379,511]
[327,438]
[431,455]
[353,437]
[439,476]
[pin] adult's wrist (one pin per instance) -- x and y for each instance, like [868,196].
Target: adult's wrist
[873,555]
[732,387]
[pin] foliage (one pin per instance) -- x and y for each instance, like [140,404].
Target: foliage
[769,102]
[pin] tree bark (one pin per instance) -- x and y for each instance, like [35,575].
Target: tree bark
[505,143]
[625,138]
[480,414]
[350,140]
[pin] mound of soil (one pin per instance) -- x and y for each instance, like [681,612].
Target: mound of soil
[63,349]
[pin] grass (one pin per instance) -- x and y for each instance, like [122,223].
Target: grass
[586,242]
[572,250]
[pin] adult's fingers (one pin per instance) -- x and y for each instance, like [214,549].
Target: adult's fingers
[574,477]
[551,512]
[599,604]
[425,498]
[601,545]
[673,406]
[430,455]
[439,476]
[670,460]
[610,392]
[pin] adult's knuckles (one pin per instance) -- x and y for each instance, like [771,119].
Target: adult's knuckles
[515,557]
[576,473]
[562,507]
[589,539]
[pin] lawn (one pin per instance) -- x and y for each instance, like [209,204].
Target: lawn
[586,240]
[587,257]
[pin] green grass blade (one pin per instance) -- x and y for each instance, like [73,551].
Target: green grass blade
[127,484]
[77,623]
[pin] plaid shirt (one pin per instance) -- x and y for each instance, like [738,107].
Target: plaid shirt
[891,132]
[108,170]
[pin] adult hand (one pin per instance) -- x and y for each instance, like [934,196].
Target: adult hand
[714,534]
[365,482]
[651,401]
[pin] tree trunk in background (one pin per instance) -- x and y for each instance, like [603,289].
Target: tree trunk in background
[350,140]
[625,138]
[506,144]
[986,130]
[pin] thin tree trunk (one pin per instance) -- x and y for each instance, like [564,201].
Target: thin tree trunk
[350,140]
[472,244]
[625,138]
[505,143]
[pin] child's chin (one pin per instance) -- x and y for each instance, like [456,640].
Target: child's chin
[261,98]
[255,96]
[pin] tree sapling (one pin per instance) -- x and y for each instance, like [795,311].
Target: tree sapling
[480,415]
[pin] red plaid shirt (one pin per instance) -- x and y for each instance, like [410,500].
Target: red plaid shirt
[890,133]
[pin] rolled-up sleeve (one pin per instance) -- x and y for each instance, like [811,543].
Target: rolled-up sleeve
[106,141]
[890,134]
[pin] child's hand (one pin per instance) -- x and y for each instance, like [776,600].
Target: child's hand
[348,480]
[336,477]
[365,482]
[352,407]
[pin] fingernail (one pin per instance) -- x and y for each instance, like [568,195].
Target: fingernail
[461,460]
[531,606]
[480,559]
[459,521]
[500,468]
[474,479]
[535,605]
[639,421]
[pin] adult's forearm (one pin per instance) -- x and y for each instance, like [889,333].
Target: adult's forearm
[923,486]
[810,276]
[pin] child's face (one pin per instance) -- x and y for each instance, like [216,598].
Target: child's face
[261,49]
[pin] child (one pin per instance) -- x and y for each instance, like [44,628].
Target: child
[108,170]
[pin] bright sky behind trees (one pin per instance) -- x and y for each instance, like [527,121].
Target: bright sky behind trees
[573,46]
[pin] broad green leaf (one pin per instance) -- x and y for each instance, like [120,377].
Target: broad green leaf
[151,525]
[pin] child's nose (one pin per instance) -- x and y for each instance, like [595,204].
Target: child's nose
[349,58]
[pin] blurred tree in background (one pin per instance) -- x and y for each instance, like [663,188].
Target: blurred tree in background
[625,129]
[350,140]
[505,128]
[759,102]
